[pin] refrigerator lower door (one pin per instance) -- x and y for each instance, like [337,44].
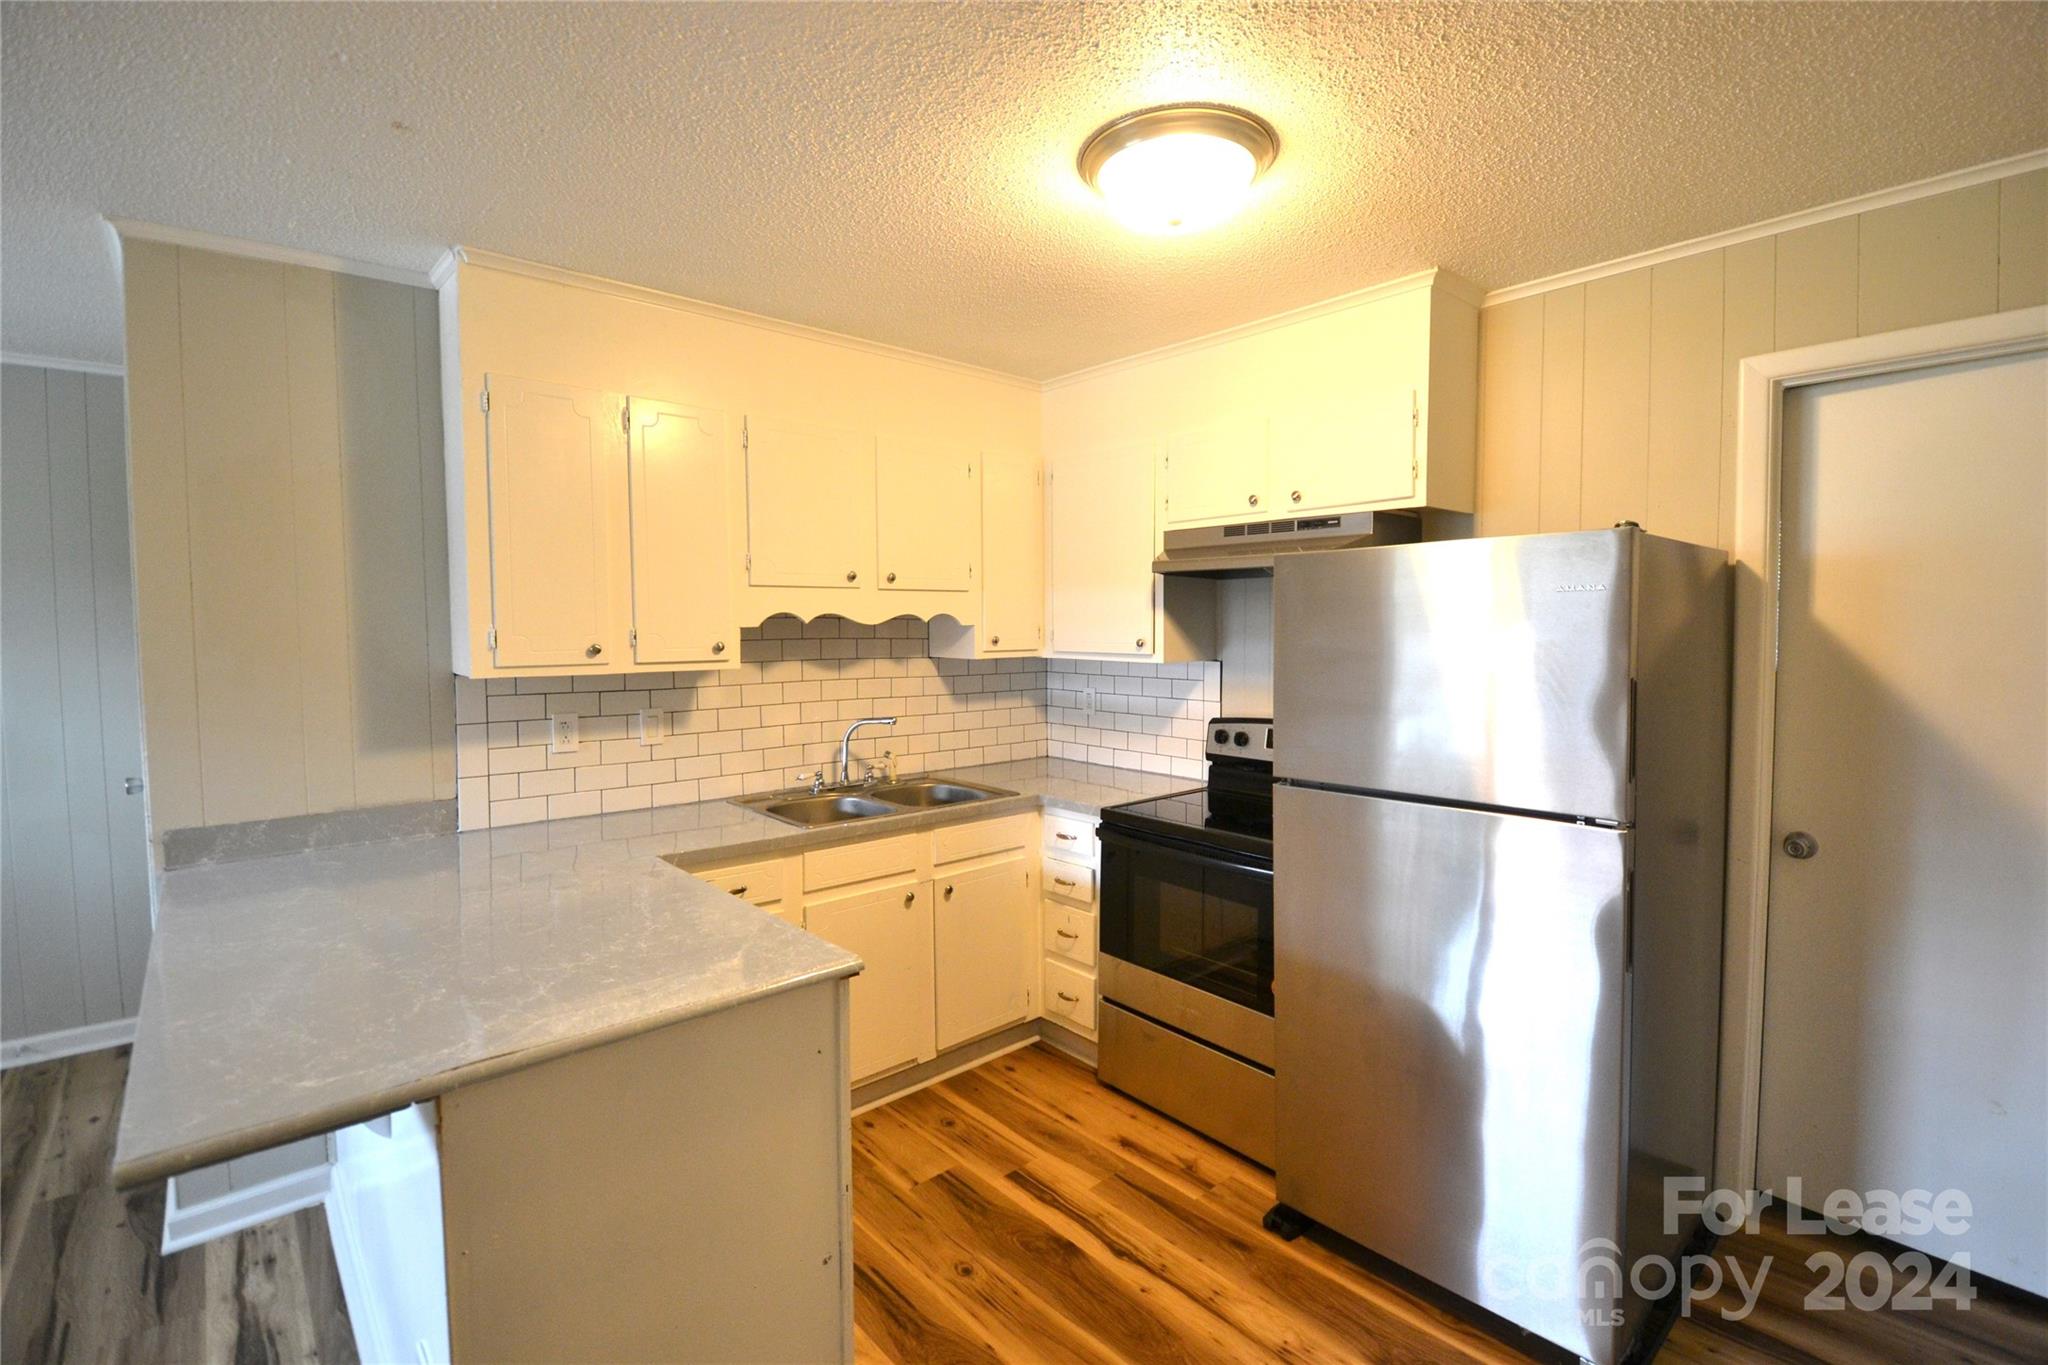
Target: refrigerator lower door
[1450,991]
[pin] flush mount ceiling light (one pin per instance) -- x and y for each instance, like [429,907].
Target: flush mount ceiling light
[1180,167]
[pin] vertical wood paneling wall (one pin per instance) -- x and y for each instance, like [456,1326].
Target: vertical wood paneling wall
[1615,399]
[74,907]
[290,538]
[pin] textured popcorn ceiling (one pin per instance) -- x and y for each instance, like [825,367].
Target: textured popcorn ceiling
[905,172]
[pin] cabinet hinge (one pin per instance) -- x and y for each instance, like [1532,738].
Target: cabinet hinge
[743,435]
[483,400]
[626,418]
[633,638]
[491,639]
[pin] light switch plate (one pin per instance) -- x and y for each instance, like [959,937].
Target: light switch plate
[650,728]
[564,736]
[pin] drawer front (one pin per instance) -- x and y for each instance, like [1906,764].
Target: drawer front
[1068,835]
[1069,934]
[850,863]
[760,883]
[1070,995]
[952,843]
[1069,881]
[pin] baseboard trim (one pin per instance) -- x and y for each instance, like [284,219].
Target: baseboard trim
[66,1042]
[951,1062]
[1064,1040]
[188,1226]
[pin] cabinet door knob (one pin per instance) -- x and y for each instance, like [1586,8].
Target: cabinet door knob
[740,890]
[1253,500]
[910,898]
[593,651]
[718,647]
[852,574]
[949,893]
[1141,642]
[1295,496]
[994,640]
[892,577]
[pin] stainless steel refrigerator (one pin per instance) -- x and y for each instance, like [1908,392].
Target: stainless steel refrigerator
[1498,843]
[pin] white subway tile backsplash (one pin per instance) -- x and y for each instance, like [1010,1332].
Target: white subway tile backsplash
[781,712]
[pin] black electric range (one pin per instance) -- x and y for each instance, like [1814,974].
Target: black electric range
[1187,944]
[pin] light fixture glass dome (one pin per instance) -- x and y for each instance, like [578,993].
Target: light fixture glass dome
[1180,168]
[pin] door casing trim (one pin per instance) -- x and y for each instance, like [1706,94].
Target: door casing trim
[1762,385]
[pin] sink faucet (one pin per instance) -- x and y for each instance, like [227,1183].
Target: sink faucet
[846,741]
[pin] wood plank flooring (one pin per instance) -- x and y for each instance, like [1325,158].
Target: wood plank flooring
[1023,1212]
[1020,1212]
[81,1277]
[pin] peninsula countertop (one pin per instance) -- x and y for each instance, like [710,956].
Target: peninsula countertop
[291,995]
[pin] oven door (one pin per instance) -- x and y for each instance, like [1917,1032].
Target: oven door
[1197,917]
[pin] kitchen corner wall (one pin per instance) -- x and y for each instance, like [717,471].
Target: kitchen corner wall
[781,713]
[290,539]
[1616,398]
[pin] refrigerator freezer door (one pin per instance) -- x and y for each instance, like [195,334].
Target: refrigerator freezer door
[1493,672]
[1450,990]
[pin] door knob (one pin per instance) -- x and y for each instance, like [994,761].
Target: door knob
[1800,844]
[593,651]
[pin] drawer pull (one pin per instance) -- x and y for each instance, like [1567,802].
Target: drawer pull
[1062,881]
[1066,933]
[740,890]
[1057,834]
[1070,999]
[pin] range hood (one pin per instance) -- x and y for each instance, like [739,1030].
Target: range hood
[1248,549]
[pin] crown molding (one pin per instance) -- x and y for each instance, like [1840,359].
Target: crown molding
[444,271]
[1771,227]
[1456,286]
[55,362]
[133,229]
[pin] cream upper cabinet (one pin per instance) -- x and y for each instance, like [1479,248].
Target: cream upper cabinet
[556,462]
[985,942]
[891,1006]
[1215,472]
[927,516]
[1346,453]
[683,611]
[1012,555]
[810,505]
[1104,593]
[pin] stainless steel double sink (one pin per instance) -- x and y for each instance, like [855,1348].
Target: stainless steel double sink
[807,809]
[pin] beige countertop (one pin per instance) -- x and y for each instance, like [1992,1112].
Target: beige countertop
[291,995]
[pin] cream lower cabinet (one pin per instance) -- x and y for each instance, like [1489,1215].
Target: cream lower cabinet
[606,545]
[892,1002]
[985,948]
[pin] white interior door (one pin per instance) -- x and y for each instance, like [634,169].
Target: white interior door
[1905,1016]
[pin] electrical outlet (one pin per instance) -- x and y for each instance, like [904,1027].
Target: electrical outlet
[1088,699]
[566,735]
[650,728]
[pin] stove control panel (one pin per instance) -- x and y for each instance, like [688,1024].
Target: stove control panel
[1239,737]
